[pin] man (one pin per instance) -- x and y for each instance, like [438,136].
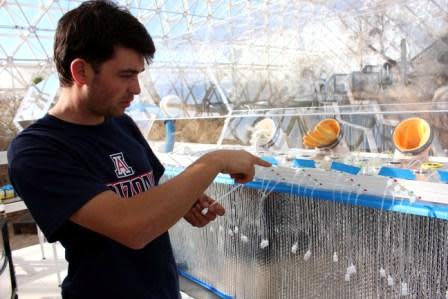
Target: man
[88,176]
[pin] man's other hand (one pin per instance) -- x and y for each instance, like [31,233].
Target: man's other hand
[195,217]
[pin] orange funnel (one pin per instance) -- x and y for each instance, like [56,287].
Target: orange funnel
[412,135]
[325,134]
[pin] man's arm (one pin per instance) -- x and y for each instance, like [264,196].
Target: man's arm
[147,215]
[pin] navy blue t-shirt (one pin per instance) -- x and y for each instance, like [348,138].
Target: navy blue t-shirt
[56,167]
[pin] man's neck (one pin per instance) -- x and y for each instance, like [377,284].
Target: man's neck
[69,108]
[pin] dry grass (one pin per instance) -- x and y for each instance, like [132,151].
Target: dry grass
[195,131]
[8,107]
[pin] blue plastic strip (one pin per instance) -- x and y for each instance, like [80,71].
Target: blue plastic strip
[304,163]
[419,208]
[205,285]
[399,173]
[345,167]
[270,159]
[221,178]
[443,174]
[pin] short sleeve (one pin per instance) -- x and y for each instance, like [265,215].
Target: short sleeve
[53,184]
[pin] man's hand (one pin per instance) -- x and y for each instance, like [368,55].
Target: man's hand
[196,218]
[239,164]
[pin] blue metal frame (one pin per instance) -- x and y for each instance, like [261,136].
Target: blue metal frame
[205,285]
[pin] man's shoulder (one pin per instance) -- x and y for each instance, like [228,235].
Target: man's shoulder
[35,136]
[41,127]
[43,124]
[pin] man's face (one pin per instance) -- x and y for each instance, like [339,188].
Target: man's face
[112,89]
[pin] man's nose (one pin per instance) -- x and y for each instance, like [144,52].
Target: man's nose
[134,86]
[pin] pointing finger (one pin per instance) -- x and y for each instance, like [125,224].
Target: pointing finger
[261,162]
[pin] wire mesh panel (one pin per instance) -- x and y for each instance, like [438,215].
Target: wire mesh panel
[289,246]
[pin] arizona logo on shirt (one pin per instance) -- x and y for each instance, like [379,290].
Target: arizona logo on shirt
[134,185]
[122,169]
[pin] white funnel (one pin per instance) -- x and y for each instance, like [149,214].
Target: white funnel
[266,135]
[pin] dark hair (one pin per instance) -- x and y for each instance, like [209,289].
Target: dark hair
[92,31]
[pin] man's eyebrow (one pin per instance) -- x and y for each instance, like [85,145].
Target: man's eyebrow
[131,71]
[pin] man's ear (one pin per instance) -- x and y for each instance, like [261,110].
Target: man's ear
[81,71]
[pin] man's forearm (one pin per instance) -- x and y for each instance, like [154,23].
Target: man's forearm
[145,216]
[136,221]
